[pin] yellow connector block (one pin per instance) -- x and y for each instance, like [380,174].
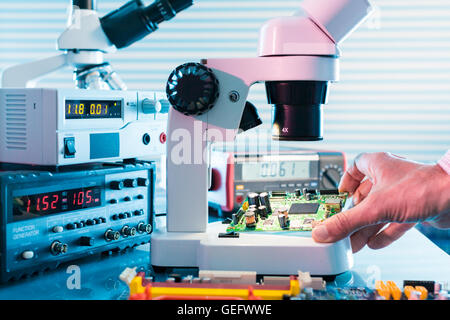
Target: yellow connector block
[407,290]
[136,286]
[423,292]
[295,288]
[395,291]
[382,289]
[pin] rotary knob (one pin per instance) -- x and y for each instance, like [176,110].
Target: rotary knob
[165,105]
[331,177]
[150,106]
[192,89]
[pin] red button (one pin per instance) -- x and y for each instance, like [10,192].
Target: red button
[239,199]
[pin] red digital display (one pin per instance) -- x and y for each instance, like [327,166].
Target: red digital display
[58,201]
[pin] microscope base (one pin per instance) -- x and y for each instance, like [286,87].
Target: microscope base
[267,254]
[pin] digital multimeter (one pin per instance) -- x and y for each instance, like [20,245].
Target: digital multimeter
[234,174]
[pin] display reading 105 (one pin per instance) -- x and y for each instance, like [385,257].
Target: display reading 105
[93,109]
[58,201]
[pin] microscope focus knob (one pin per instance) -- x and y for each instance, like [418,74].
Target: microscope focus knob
[192,89]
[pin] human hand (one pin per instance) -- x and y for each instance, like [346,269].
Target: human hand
[390,190]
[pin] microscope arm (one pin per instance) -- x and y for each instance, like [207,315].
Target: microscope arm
[21,75]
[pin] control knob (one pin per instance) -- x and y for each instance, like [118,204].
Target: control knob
[192,89]
[331,176]
[116,185]
[165,106]
[142,182]
[151,106]
[130,183]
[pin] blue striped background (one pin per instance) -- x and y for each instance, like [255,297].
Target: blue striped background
[394,93]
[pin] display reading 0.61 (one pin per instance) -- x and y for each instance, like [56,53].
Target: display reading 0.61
[276,170]
[93,109]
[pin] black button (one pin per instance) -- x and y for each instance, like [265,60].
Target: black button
[139,212]
[87,241]
[90,222]
[102,219]
[97,220]
[122,216]
[140,196]
[69,147]
[113,201]
[82,224]
[127,198]
[128,215]
[114,217]
[70,226]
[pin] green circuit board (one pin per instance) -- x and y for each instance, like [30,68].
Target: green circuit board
[303,212]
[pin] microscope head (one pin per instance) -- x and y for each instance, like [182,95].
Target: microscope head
[133,21]
[88,36]
[298,57]
[316,30]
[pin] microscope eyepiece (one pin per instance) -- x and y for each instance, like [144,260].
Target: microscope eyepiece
[133,21]
[84,4]
[297,109]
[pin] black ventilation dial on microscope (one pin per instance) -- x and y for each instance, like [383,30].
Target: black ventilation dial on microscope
[192,89]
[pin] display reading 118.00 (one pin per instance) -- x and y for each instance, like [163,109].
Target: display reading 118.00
[93,109]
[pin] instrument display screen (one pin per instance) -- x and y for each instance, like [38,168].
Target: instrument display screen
[57,201]
[276,170]
[93,109]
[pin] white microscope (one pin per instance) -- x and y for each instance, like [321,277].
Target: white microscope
[298,57]
[88,38]
[57,126]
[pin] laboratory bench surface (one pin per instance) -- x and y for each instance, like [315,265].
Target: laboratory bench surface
[412,257]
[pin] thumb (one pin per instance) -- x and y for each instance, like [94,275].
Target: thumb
[347,222]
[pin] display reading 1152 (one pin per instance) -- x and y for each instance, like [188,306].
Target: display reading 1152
[57,201]
[93,109]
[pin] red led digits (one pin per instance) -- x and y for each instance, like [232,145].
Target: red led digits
[80,198]
[53,204]
[45,204]
[59,201]
[88,196]
[28,205]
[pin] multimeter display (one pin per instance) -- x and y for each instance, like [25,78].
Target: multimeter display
[93,109]
[57,201]
[276,170]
